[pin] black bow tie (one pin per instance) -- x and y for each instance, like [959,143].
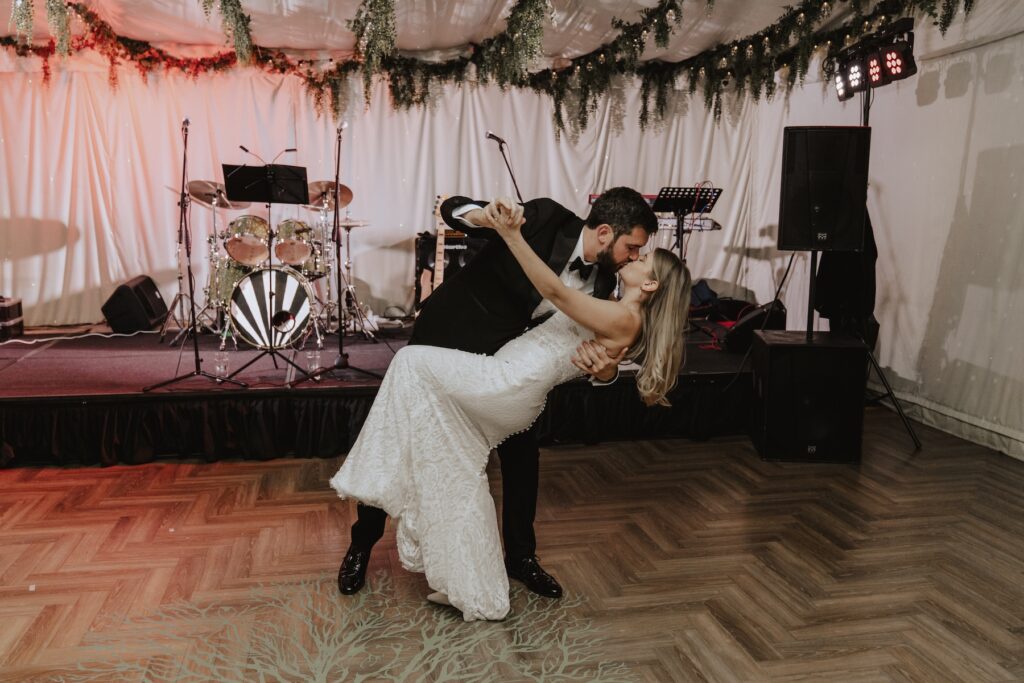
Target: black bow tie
[585,269]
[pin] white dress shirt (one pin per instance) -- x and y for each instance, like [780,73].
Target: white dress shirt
[570,278]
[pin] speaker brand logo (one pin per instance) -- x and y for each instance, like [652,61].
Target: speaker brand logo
[822,236]
[811,450]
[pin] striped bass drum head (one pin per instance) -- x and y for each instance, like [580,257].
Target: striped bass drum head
[271,305]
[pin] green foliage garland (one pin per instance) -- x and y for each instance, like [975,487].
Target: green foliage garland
[59,19]
[374,28]
[22,16]
[749,65]
[236,26]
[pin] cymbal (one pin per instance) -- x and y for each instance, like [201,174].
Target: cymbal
[321,195]
[352,223]
[206,192]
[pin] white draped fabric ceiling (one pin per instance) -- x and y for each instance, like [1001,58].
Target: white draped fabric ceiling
[91,174]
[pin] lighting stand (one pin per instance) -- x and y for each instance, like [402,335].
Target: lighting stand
[865,119]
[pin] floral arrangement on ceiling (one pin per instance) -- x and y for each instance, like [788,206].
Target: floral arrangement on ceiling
[754,64]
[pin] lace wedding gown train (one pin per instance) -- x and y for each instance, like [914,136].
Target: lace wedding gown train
[422,452]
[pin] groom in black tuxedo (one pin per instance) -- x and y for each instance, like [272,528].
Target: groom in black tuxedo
[490,302]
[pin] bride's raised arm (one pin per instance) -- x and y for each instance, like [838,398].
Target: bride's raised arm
[604,318]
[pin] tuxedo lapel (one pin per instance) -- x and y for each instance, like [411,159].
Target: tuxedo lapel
[561,249]
[565,243]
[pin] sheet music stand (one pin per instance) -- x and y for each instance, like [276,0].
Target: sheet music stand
[682,201]
[270,184]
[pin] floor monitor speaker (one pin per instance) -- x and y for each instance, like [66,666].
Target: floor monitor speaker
[136,305]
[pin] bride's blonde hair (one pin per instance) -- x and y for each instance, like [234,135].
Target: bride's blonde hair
[660,348]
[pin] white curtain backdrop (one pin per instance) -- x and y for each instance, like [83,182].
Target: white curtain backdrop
[91,177]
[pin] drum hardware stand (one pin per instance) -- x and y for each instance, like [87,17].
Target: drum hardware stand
[341,362]
[177,307]
[266,186]
[185,232]
[351,306]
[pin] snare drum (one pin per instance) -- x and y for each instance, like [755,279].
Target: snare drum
[294,242]
[247,240]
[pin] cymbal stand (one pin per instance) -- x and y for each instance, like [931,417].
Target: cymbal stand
[185,232]
[351,307]
[212,306]
[177,307]
[341,361]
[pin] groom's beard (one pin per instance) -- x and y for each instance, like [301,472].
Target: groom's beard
[606,263]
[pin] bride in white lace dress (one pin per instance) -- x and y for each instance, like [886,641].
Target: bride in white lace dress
[422,453]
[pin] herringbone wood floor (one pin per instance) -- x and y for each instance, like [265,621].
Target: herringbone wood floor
[689,561]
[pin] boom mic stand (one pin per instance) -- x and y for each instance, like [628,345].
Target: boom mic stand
[341,362]
[501,148]
[185,232]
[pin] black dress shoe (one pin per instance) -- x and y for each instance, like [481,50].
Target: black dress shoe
[352,574]
[533,576]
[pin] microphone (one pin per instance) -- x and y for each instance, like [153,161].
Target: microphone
[494,137]
[185,122]
[343,125]
[291,149]
[246,150]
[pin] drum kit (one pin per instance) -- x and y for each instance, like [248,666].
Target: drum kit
[300,272]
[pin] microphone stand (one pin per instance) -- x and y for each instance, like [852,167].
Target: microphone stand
[341,362]
[501,148]
[185,230]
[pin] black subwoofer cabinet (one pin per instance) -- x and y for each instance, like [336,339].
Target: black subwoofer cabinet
[808,396]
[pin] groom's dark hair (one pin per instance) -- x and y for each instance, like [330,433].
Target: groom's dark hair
[623,208]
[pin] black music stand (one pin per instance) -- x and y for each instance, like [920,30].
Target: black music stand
[270,184]
[682,201]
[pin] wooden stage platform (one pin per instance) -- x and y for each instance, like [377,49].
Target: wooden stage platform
[80,401]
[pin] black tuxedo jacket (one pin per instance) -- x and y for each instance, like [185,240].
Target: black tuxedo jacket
[489,302]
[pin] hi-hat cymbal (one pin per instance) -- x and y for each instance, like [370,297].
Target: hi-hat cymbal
[352,223]
[211,194]
[321,195]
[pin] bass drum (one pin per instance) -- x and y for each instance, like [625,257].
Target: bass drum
[259,318]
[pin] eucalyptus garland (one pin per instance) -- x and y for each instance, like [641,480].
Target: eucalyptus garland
[506,58]
[787,48]
[751,65]
[22,16]
[590,76]
[374,28]
[59,19]
[236,26]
